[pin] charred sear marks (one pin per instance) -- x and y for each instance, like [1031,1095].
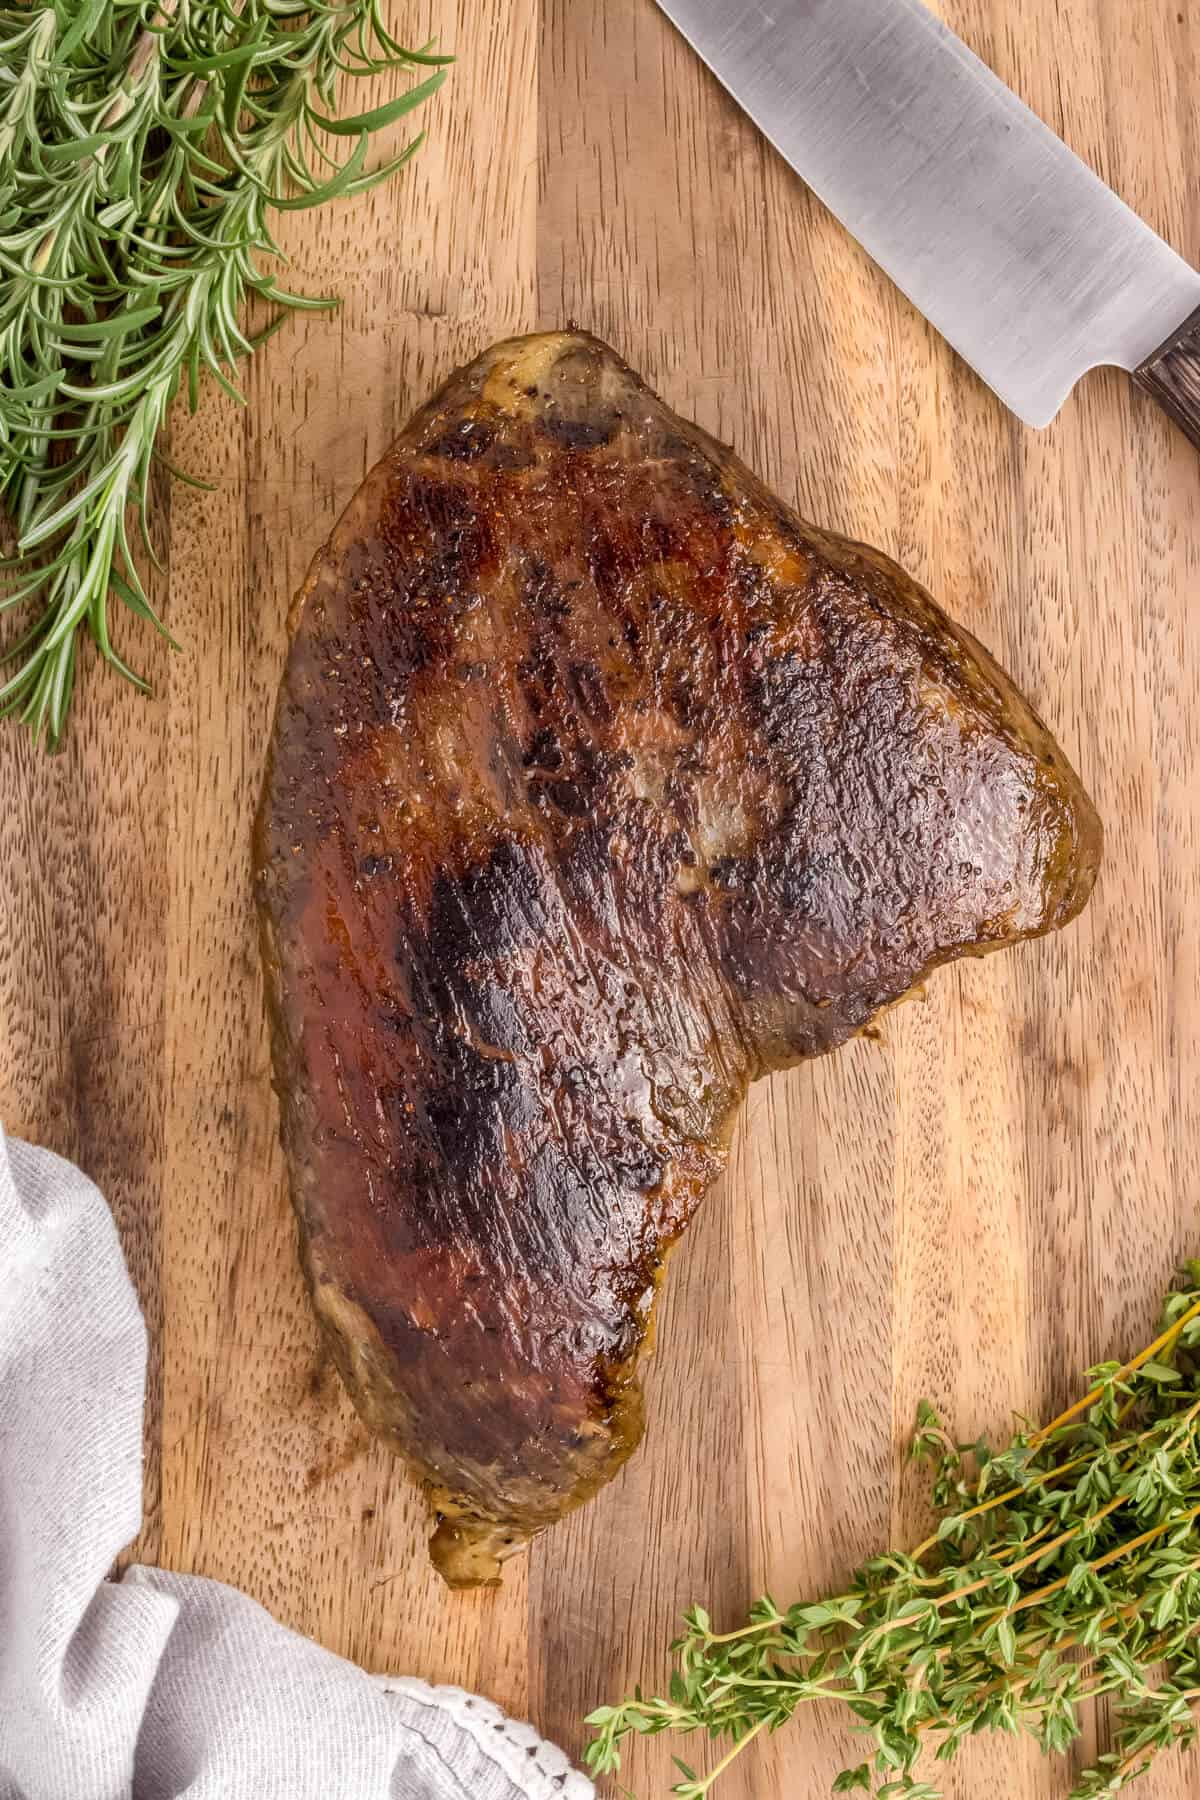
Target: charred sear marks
[577,434]
[600,785]
[466,441]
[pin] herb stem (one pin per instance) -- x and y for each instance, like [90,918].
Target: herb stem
[1164,1342]
[733,1637]
[731,1757]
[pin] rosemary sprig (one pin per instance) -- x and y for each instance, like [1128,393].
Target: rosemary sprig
[143,147]
[1064,1568]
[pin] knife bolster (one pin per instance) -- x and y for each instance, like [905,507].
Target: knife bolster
[1172,376]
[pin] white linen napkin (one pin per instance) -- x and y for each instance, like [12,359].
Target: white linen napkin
[160,1686]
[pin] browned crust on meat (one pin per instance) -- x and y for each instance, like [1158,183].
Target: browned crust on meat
[600,785]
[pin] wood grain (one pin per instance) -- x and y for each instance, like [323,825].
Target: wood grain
[975,1208]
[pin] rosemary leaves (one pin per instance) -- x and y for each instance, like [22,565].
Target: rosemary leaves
[143,148]
[1064,1568]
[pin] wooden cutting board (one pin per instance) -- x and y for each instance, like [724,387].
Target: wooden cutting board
[975,1208]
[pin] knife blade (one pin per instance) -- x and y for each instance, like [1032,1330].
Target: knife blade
[1009,244]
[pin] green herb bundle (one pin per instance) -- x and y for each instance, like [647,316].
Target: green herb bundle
[144,145]
[1064,1569]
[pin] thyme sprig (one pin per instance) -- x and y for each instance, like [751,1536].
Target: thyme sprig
[1064,1568]
[143,147]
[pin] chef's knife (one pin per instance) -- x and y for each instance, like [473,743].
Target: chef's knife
[1020,256]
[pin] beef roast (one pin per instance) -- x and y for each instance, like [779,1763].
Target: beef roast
[600,786]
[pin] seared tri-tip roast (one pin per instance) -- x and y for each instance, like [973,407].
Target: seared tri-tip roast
[600,786]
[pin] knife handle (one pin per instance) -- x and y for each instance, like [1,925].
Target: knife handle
[1172,376]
